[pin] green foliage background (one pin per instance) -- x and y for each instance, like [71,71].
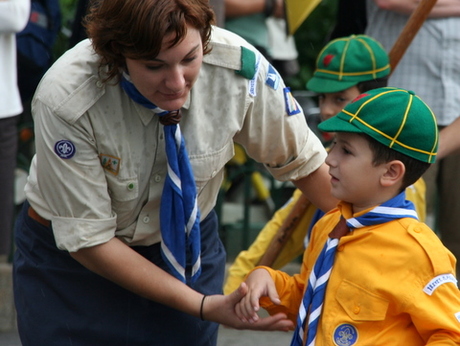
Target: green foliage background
[310,37]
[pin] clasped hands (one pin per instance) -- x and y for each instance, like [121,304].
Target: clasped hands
[240,309]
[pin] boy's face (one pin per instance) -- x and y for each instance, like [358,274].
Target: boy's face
[331,104]
[353,177]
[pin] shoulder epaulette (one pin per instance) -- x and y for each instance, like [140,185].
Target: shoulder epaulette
[426,238]
[238,58]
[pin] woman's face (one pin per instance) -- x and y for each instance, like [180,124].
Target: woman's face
[166,79]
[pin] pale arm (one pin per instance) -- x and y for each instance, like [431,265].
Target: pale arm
[117,262]
[317,188]
[442,8]
[449,139]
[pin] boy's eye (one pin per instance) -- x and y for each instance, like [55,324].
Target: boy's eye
[346,151]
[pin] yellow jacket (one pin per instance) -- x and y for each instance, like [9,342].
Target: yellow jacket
[248,259]
[391,284]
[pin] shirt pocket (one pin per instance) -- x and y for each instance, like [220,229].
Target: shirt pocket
[206,167]
[124,196]
[360,304]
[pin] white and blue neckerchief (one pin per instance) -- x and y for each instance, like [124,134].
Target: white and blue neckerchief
[179,213]
[312,303]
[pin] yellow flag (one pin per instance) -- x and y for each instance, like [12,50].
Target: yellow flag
[297,11]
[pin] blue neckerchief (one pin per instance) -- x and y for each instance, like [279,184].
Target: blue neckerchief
[396,208]
[179,213]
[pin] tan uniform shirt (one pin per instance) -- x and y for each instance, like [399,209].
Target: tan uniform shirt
[100,163]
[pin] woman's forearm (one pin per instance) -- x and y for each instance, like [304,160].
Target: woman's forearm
[117,262]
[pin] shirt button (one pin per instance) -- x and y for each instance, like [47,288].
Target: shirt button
[417,230]
[356,310]
[146,219]
[99,84]
[130,186]
[341,247]
[157,178]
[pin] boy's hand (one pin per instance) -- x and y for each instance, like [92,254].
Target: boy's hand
[221,309]
[259,284]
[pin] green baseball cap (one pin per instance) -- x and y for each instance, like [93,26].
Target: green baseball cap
[344,62]
[395,117]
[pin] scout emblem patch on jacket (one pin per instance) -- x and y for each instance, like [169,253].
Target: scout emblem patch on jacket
[65,149]
[345,335]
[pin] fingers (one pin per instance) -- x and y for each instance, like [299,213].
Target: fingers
[277,322]
[246,309]
[273,294]
[239,293]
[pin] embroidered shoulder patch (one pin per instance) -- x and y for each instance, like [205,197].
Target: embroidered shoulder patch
[438,281]
[345,335]
[273,78]
[65,149]
[292,106]
[110,163]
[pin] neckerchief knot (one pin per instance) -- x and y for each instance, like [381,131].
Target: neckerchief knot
[171,118]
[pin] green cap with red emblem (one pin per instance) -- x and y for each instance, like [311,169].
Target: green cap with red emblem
[347,61]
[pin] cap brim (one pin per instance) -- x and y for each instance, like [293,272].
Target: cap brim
[322,85]
[337,124]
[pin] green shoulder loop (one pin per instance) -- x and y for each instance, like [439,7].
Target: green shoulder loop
[248,63]
[238,58]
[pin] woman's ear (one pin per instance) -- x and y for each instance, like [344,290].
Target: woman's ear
[393,174]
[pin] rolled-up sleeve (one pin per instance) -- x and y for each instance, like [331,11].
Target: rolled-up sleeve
[74,187]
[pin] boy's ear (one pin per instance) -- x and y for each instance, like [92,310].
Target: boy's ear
[393,174]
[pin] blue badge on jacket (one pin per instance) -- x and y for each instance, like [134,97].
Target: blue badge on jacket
[273,78]
[345,335]
[65,149]
[292,107]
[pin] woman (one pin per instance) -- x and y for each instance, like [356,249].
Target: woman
[94,265]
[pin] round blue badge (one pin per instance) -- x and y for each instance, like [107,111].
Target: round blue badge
[345,335]
[65,149]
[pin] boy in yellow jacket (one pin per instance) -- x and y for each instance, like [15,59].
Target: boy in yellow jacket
[373,274]
[345,68]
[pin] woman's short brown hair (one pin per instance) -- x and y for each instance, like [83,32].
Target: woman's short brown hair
[135,29]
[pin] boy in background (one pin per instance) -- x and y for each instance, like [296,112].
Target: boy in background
[373,273]
[345,68]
